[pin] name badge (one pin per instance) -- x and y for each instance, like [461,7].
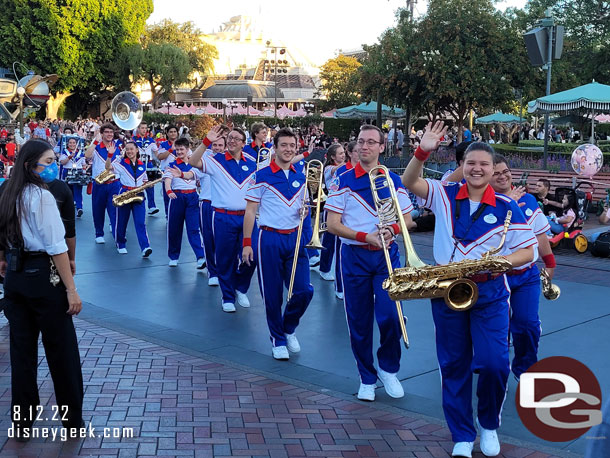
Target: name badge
[490,219]
[140,168]
[529,212]
[296,184]
[244,168]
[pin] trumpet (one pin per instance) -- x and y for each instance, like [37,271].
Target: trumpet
[264,154]
[313,176]
[549,290]
[388,212]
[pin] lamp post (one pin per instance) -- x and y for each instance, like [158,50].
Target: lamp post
[224,110]
[168,104]
[309,107]
[21,94]
[519,93]
[275,62]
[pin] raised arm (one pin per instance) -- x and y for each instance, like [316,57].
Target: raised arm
[89,151]
[411,178]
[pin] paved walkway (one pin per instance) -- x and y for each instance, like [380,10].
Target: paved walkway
[184,405]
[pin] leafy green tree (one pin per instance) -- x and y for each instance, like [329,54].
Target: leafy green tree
[77,39]
[339,81]
[185,36]
[163,66]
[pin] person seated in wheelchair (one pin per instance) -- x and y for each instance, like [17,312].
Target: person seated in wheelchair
[568,220]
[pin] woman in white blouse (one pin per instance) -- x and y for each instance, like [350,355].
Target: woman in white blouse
[40,293]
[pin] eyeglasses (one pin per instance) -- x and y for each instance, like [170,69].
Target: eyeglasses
[505,172]
[368,142]
[232,138]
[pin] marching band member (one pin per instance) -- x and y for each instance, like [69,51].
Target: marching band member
[524,282]
[146,144]
[71,158]
[230,173]
[183,206]
[469,222]
[278,189]
[352,154]
[335,157]
[259,132]
[165,154]
[131,172]
[205,212]
[101,198]
[352,216]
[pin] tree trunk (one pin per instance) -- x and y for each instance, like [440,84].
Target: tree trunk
[55,102]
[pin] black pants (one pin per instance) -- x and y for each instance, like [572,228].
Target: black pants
[34,306]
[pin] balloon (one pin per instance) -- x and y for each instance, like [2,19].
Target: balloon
[587,160]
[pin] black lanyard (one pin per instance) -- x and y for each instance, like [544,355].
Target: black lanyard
[475,216]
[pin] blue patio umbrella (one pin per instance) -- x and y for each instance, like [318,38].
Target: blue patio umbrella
[368,110]
[499,118]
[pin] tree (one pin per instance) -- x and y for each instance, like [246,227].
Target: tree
[185,36]
[78,40]
[163,66]
[339,80]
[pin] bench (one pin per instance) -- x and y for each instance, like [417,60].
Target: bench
[600,181]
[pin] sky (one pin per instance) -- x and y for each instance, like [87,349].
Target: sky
[319,27]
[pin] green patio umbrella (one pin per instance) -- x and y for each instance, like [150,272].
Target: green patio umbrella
[368,110]
[593,96]
[499,118]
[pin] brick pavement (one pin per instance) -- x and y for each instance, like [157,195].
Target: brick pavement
[182,405]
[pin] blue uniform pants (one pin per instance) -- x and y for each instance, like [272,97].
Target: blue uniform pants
[524,320]
[101,202]
[275,257]
[363,274]
[338,281]
[205,223]
[166,200]
[139,221]
[307,234]
[473,341]
[183,209]
[326,257]
[228,240]
[150,197]
[77,192]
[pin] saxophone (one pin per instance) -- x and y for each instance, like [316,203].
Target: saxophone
[419,280]
[133,195]
[105,177]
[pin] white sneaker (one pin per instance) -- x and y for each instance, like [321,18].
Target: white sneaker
[242,299]
[366,392]
[391,384]
[314,261]
[228,307]
[100,240]
[328,276]
[292,343]
[146,252]
[280,353]
[463,449]
[173,262]
[122,250]
[213,281]
[339,295]
[490,445]
[201,263]
[153,211]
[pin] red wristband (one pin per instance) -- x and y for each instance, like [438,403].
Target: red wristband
[96,143]
[247,241]
[207,142]
[361,237]
[305,154]
[396,229]
[169,191]
[549,261]
[422,155]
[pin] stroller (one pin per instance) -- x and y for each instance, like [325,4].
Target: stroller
[572,235]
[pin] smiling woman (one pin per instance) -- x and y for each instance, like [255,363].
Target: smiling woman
[40,292]
[469,222]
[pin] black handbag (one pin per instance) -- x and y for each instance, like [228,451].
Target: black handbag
[601,247]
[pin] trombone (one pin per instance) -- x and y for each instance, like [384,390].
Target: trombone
[313,176]
[388,212]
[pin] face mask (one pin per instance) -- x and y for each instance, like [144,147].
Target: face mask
[49,173]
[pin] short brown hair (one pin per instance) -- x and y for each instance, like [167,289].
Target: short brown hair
[372,127]
[256,128]
[106,126]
